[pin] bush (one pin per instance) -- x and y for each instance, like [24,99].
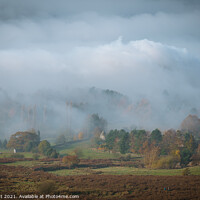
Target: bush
[186,172]
[168,162]
[126,158]
[36,156]
[46,187]
[44,147]
[70,160]
[17,155]
[54,154]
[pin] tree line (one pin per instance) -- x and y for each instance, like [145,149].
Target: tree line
[159,150]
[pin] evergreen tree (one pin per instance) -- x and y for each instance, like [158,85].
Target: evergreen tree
[156,136]
[111,139]
[124,142]
[139,137]
[190,142]
[185,156]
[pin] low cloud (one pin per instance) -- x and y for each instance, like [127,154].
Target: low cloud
[143,49]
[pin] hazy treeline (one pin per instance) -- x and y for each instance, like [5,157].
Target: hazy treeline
[54,112]
[168,150]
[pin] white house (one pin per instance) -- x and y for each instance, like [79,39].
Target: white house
[102,136]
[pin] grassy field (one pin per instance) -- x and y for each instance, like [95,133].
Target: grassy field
[6,153]
[24,163]
[126,171]
[83,146]
[26,155]
[86,151]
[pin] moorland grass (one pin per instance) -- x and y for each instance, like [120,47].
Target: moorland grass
[127,171]
[8,154]
[24,163]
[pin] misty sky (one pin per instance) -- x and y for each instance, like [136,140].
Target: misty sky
[141,48]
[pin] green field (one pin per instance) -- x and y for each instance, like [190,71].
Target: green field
[126,171]
[8,154]
[24,163]
[84,146]
[86,151]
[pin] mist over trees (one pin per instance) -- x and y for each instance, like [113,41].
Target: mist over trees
[192,124]
[89,109]
[96,95]
[114,74]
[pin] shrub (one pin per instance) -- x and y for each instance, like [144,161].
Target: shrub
[186,172]
[70,160]
[195,159]
[46,187]
[17,155]
[54,154]
[44,147]
[168,162]
[36,156]
[151,157]
[126,158]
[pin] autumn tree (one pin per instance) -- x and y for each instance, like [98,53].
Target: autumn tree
[80,135]
[24,141]
[151,156]
[172,141]
[70,160]
[191,124]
